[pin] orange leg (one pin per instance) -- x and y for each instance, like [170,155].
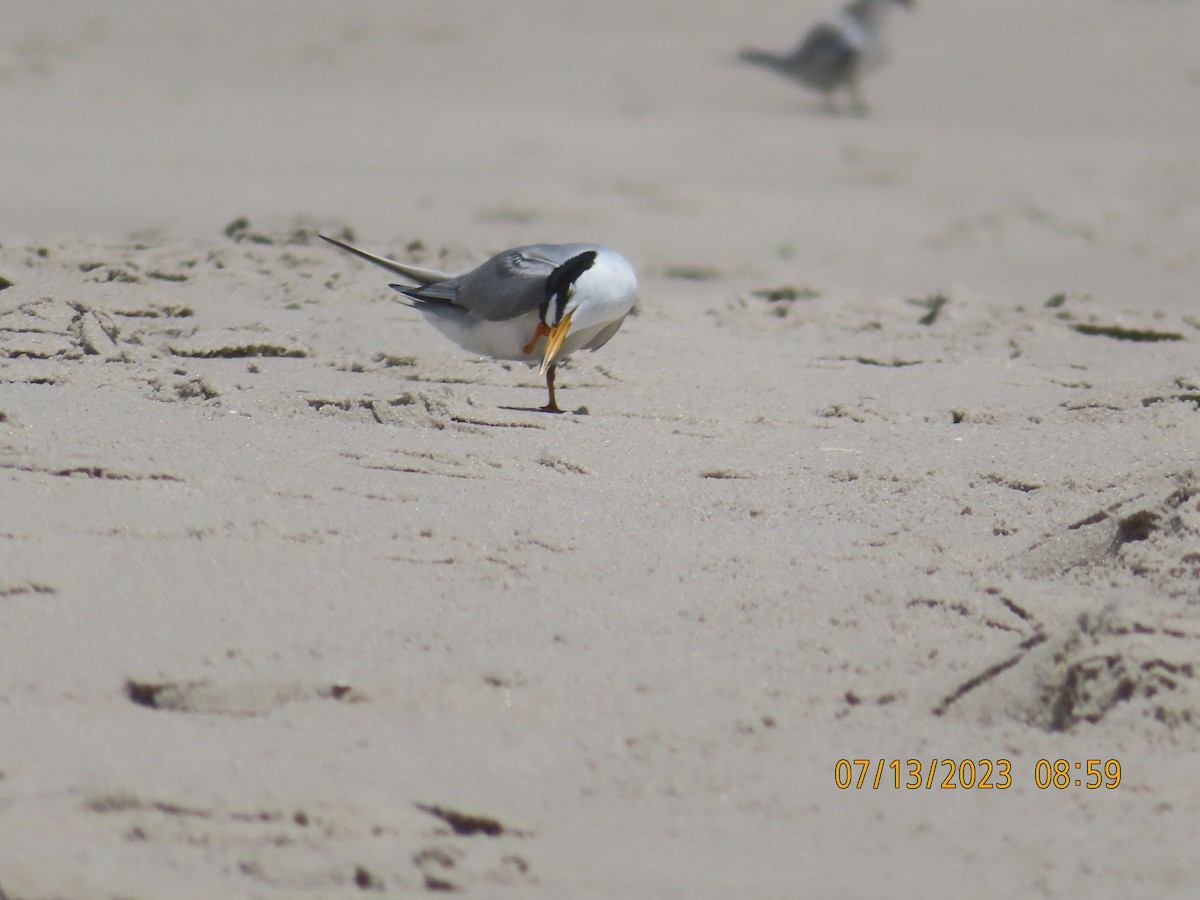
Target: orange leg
[551,406]
[540,332]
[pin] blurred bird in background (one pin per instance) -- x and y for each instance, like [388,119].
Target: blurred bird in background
[836,51]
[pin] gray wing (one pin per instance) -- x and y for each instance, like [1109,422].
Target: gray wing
[509,285]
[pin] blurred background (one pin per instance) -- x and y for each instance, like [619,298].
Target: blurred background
[1022,146]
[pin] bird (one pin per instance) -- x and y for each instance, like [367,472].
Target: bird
[835,51]
[576,296]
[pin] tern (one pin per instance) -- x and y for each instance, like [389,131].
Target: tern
[574,295]
[835,51]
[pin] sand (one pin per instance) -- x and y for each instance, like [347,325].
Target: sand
[897,459]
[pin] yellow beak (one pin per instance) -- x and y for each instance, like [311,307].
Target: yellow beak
[554,342]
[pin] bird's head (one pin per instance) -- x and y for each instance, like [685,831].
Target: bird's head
[593,288]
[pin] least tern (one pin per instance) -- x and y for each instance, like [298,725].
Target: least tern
[574,295]
[835,51]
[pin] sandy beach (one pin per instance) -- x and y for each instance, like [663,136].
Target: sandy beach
[897,460]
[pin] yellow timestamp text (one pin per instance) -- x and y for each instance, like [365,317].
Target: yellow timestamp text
[923,774]
[1064,773]
[972,774]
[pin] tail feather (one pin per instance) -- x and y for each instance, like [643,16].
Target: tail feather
[421,276]
[760,58]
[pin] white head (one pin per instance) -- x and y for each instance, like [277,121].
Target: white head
[596,287]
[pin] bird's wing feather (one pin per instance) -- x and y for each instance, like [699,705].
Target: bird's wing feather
[512,283]
[442,293]
[509,285]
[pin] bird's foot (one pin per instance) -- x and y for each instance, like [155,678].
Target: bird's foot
[540,332]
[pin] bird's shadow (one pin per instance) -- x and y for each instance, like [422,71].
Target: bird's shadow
[819,109]
[582,411]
